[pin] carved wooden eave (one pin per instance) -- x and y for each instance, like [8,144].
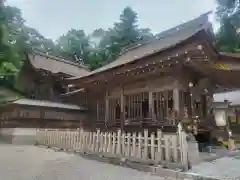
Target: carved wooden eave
[159,62]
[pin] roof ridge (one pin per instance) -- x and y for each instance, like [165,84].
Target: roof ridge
[164,34]
[59,58]
[182,26]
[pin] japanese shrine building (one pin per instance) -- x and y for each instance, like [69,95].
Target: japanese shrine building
[40,104]
[159,83]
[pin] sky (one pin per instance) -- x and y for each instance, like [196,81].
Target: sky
[53,18]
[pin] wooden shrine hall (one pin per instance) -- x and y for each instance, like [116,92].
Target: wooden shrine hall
[27,113]
[159,83]
[40,104]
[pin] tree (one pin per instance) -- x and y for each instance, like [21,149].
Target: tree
[228,14]
[127,28]
[8,61]
[96,49]
[124,33]
[227,38]
[74,45]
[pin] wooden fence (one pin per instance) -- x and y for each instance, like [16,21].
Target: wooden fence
[156,148]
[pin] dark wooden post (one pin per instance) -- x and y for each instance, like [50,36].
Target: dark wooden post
[106,109]
[176,105]
[122,103]
[150,106]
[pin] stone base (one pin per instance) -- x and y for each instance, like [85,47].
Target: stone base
[20,136]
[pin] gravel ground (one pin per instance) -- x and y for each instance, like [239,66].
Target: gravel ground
[35,163]
[226,168]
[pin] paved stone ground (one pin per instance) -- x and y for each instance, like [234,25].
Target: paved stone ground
[225,168]
[35,163]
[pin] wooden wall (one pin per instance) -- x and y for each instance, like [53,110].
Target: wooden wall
[43,117]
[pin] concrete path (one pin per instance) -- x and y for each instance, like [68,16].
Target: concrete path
[226,168]
[35,163]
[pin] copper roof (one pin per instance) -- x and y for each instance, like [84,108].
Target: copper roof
[73,92]
[229,54]
[233,97]
[164,40]
[56,65]
[41,103]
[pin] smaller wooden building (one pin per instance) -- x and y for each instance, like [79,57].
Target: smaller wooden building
[41,76]
[39,106]
[29,113]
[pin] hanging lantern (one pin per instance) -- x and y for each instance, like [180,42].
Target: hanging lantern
[220,117]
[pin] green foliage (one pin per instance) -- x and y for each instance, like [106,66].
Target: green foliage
[15,37]
[228,14]
[102,46]
[95,49]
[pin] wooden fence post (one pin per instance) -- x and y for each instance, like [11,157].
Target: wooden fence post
[54,138]
[153,146]
[128,144]
[62,140]
[159,145]
[118,142]
[140,145]
[145,144]
[58,139]
[167,149]
[98,141]
[105,142]
[81,139]
[109,148]
[101,142]
[175,148]
[94,141]
[114,143]
[123,144]
[183,146]
[133,152]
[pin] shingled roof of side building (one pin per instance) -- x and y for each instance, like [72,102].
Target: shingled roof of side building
[163,41]
[56,65]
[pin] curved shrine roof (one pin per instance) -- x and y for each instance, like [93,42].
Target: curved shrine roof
[163,41]
[57,65]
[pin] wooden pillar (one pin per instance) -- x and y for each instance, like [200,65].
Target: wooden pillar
[106,108]
[122,103]
[98,110]
[176,103]
[150,103]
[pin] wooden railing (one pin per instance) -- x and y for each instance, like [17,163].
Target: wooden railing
[156,148]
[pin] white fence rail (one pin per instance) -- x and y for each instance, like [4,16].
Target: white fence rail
[142,147]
